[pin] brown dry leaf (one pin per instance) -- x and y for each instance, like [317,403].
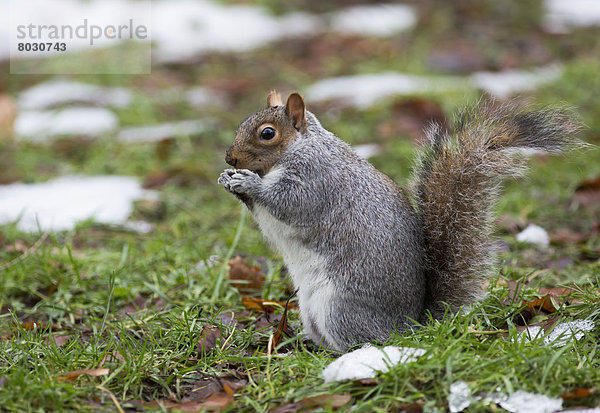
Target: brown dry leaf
[31,325]
[578,393]
[215,402]
[368,382]
[260,305]
[59,340]
[545,303]
[282,327]
[588,192]
[415,407]
[156,179]
[228,384]
[411,116]
[211,332]
[325,400]
[208,341]
[72,375]
[245,277]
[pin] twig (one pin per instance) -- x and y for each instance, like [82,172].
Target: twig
[112,396]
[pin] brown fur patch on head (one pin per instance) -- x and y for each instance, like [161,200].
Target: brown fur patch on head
[274,99]
[251,151]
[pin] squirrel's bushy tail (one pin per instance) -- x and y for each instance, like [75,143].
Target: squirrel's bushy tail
[457,182]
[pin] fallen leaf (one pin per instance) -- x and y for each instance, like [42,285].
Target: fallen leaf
[208,340]
[31,325]
[59,340]
[588,192]
[72,375]
[211,332]
[412,116]
[245,277]
[282,327]
[260,305]
[545,303]
[415,407]
[228,384]
[578,393]
[367,382]
[325,400]
[215,402]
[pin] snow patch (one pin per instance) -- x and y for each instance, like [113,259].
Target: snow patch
[204,26]
[81,121]
[200,97]
[519,402]
[561,15]
[59,204]
[525,402]
[367,361]
[459,397]
[561,334]
[365,90]
[57,92]
[505,83]
[208,26]
[566,332]
[376,20]
[534,234]
[159,132]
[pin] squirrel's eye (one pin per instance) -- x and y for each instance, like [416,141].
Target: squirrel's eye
[268,133]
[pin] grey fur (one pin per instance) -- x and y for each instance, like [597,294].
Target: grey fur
[381,262]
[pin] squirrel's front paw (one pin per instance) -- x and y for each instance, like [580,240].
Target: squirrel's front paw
[240,181]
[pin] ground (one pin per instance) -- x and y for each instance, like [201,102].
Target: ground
[101,317]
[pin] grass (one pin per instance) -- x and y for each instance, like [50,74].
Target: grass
[102,297]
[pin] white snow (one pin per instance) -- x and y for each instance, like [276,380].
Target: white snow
[59,91]
[505,83]
[81,121]
[209,26]
[159,132]
[365,90]
[528,334]
[562,333]
[525,402]
[367,150]
[563,14]
[200,97]
[375,20]
[459,397]
[534,234]
[367,361]
[519,402]
[59,204]
[183,29]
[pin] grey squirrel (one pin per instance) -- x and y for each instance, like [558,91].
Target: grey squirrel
[368,258]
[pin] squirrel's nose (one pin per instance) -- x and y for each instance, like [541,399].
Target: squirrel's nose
[231,161]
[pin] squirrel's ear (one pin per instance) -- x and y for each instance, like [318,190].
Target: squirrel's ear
[274,99]
[296,110]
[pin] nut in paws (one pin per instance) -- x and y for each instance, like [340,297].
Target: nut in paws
[240,181]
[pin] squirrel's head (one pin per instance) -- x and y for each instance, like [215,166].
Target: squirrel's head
[261,138]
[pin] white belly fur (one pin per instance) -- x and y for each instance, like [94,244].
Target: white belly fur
[307,270]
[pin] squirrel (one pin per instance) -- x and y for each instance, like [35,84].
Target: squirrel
[368,258]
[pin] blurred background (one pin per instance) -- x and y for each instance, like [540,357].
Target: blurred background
[94,162]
